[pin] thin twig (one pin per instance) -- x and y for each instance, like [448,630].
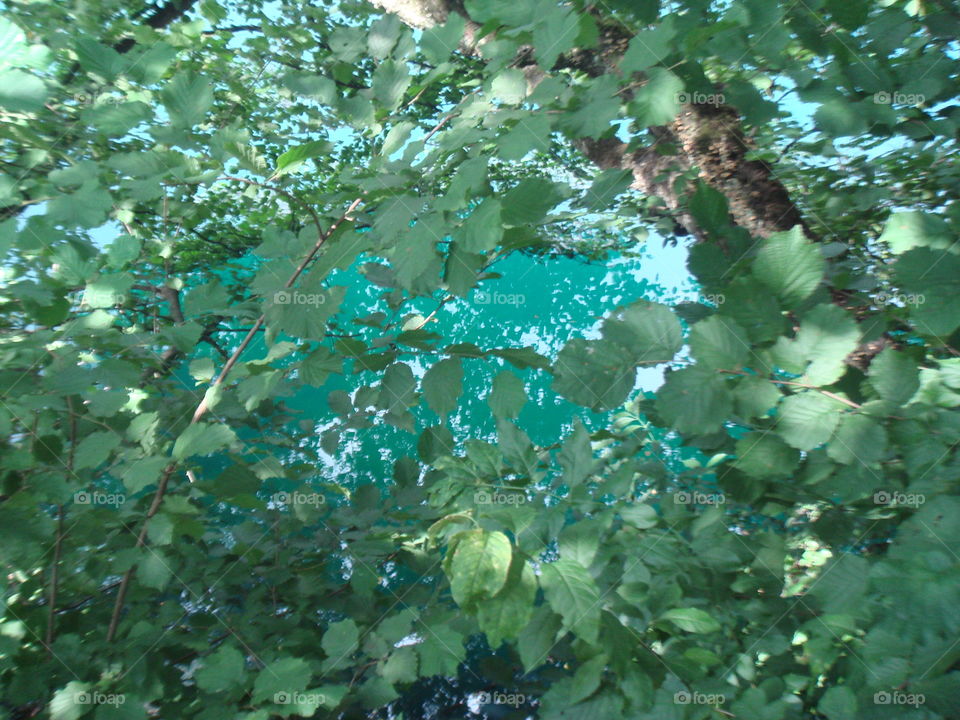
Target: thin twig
[58,544]
[831,395]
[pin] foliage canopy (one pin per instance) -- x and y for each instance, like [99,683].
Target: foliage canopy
[208,209]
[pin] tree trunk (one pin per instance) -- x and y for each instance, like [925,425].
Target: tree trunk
[709,138]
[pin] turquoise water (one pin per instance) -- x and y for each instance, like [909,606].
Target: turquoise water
[536,302]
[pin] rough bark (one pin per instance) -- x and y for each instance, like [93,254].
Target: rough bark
[709,138]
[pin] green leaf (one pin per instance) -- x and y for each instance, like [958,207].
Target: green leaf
[709,208]
[506,614]
[647,47]
[719,343]
[894,376]
[14,51]
[840,117]
[595,374]
[859,440]
[790,266]
[538,638]
[913,228]
[293,159]
[764,455]
[827,335]
[187,98]
[606,186]
[441,41]
[529,201]
[507,396]
[554,35]
[509,86]
[400,667]
[390,81]
[287,675]
[442,385]
[931,281]
[202,439]
[154,570]
[839,703]
[691,620]
[657,102]
[573,594]
[303,314]
[483,230]
[576,455]
[116,119]
[340,641]
[480,565]
[70,701]
[99,59]
[648,331]
[21,91]
[94,449]
[694,400]
[222,670]
[807,419]
[441,651]
[398,389]
[316,86]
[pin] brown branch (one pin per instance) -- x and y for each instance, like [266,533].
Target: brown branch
[141,541]
[228,366]
[199,413]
